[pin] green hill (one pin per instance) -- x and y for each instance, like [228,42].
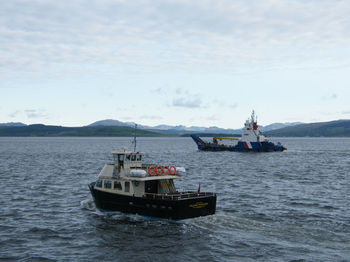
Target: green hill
[88,131]
[339,128]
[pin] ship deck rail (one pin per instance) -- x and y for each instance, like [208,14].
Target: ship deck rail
[178,195]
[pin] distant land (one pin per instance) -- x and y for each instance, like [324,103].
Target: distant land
[96,131]
[338,128]
[115,128]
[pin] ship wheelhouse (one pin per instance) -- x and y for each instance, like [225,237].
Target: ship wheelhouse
[129,176]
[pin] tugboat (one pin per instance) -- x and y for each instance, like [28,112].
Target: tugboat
[252,140]
[129,186]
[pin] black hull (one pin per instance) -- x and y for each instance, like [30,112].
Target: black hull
[155,206]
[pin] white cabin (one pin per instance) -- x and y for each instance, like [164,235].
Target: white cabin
[129,176]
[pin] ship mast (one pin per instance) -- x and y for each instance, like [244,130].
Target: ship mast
[134,142]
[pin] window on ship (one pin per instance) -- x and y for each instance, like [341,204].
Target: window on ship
[99,183]
[117,185]
[127,187]
[107,184]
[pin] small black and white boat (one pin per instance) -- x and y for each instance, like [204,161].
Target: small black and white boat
[127,185]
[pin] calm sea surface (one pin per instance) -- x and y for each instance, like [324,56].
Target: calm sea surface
[285,206]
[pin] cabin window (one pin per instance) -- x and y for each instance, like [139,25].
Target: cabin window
[127,186]
[107,184]
[99,183]
[117,185]
[127,157]
[133,157]
[139,157]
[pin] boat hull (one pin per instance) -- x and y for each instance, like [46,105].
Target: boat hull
[155,206]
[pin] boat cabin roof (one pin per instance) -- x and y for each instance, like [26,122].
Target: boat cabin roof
[148,178]
[108,171]
[125,152]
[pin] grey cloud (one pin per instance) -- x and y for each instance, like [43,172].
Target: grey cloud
[34,113]
[126,118]
[14,114]
[174,34]
[234,106]
[178,91]
[160,90]
[331,97]
[150,117]
[186,102]
[212,118]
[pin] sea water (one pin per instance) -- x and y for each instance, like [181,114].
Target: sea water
[283,206]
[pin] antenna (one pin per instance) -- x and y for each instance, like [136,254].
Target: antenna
[134,142]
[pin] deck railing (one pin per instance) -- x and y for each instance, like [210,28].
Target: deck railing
[177,196]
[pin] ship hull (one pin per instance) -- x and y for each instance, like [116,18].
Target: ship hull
[155,206]
[240,147]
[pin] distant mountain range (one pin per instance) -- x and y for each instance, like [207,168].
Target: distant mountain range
[86,131]
[110,127]
[12,124]
[180,129]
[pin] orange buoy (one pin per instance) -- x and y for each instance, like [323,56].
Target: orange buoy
[165,170]
[151,170]
[172,170]
[159,170]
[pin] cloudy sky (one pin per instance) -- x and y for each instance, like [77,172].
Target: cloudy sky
[200,62]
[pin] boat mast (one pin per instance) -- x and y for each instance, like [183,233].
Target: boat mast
[135,138]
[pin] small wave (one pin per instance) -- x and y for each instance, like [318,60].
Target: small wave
[302,204]
[36,259]
[329,207]
[40,230]
[87,204]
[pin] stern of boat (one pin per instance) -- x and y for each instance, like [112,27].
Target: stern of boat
[197,205]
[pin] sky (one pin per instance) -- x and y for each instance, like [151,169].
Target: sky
[175,62]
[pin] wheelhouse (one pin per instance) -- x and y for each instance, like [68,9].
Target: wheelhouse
[129,176]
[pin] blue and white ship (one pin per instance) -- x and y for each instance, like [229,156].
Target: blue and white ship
[252,140]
